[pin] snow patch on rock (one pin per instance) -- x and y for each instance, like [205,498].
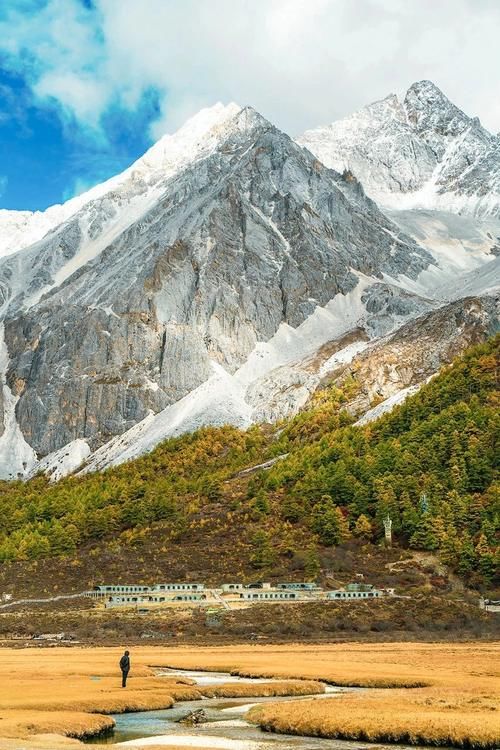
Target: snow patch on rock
[64,461]
[218,401]
[16,456]
[341,314]
[388,405]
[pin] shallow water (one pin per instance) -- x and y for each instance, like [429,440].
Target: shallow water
[225,726]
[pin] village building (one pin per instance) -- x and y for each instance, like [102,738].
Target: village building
[131,599]
[359,591]
[136,590]
[268,595]
[299,586]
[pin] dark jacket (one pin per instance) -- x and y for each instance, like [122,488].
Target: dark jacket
[125,663]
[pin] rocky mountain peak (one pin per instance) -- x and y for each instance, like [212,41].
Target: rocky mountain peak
[199,136]
[196,137]
[422,153]
[436,119]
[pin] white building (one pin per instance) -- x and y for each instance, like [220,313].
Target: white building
[141,589]
[267,595]
[129,600]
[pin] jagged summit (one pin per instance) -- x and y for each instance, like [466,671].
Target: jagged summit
[423,152]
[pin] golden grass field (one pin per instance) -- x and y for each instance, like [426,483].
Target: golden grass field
[69,691]
[459,705]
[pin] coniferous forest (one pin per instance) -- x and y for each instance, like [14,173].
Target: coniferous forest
[431,465]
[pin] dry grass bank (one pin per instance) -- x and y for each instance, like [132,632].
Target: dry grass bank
[434,716]
[71,723]
[459,704]
[70,691]
[264,689]
[353,664]
[67,691]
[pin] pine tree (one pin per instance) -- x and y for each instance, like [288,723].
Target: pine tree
[439,530]
[424,536]
[312,565]
[263,555]
[467,556]
[292,509]
[409,514]
[261,502]
[329,523]
[485,558]
[363,528]
[449,550]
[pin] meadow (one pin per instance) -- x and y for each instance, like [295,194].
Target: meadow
[437,694]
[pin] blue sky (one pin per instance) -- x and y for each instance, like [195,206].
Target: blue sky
[45,158]
[87,85]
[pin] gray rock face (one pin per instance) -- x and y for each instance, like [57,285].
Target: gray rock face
[256,234]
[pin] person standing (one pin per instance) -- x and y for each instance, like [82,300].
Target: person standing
[125,667]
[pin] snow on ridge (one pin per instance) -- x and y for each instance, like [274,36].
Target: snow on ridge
[461,246]
[198,135]
[218,401]
[289,344]
[228,399]
[222,399]
[432,196]
[422,152]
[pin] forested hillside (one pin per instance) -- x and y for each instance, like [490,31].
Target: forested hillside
[431,465]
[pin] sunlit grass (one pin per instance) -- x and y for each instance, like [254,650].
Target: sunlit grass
[459,704]
[67,691]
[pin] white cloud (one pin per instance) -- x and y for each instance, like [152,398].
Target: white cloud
[79,93]
[299,62]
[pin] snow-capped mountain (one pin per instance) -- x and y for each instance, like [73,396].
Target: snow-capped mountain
[218,280]
[421,152]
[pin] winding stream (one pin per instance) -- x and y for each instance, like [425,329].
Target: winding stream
[224,727]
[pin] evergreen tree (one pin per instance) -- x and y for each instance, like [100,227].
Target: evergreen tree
[424,536]
[329,522]
[292,509]
[467,555]
[312,565]
[449,549]
[263,555]
[261,502]
[363,528]
[485,558]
